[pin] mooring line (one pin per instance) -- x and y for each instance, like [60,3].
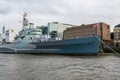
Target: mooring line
[108,47]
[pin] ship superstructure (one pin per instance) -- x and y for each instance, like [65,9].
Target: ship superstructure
[30,33]
[0,39]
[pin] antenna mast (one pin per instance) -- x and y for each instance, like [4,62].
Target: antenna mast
[25,21]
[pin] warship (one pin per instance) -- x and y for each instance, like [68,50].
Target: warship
[37,40]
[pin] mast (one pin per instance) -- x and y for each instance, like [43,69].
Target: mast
[25,21]
[3,32]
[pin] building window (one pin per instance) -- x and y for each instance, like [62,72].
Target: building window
[107,27]
[116,34]
[117,37]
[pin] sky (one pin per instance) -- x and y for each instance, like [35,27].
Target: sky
[75,12]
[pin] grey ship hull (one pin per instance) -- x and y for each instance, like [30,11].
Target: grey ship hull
[88,45]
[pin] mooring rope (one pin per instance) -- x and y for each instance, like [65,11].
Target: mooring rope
[108,47]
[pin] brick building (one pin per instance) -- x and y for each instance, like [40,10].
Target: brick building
[97,29]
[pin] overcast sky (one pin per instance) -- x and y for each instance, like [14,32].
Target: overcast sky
[75,12]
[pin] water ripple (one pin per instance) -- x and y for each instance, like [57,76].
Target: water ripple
[58,67]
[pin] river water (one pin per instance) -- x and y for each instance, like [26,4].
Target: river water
[58,67]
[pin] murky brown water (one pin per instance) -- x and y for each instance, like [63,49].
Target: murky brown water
[58,67]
